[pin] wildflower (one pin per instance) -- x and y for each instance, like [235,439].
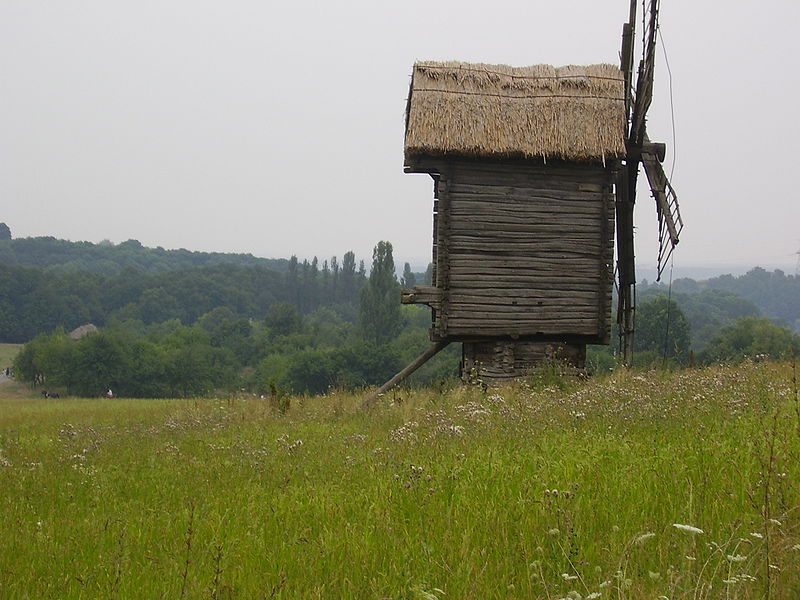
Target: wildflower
[776,522]
[756,535]
[568,577]
[736,557]
[687,528]
[553,531]
[643,538]
[593,595]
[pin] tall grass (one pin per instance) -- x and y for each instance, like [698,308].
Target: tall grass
[640,485]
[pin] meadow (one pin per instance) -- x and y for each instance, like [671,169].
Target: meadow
[7,354]
[653,485]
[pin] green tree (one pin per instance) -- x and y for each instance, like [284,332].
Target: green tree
[284,319]
[380,298]
[5,232]
[365,364]
[751,337]
[409,279]
[662,328]
[310,371]
[26,367]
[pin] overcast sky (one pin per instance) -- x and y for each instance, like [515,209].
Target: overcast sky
[276,128]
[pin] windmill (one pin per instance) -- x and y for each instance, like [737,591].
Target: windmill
[534,170]
[639,149]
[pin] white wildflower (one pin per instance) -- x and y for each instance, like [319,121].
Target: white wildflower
[593,595]
[687,528]
[756,535]
[736,557]
[568,577]
[644,537]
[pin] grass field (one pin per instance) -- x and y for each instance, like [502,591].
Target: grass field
[7,354]
[637,486]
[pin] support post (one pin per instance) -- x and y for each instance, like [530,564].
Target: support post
[416,364]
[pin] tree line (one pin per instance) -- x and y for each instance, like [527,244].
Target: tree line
[34,300]
[711,326]
[107,258]
[316,324]
[323,325]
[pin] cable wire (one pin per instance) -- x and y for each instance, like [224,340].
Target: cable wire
[671,105]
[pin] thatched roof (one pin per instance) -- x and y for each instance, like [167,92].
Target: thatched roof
[82,331]
[497,111]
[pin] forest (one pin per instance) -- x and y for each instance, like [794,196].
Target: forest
[180,323]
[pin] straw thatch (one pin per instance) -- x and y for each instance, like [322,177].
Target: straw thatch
[82,331]
[497,111]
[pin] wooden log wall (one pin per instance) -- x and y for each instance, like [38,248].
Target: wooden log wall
[501,361]
[521,250]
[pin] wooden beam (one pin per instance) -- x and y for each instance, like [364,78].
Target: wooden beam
[422,294]
[416,364]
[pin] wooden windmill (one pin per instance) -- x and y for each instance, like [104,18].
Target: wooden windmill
[530,166]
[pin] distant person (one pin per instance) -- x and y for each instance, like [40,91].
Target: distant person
[109,393]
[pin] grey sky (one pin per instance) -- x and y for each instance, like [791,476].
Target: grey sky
[277,128]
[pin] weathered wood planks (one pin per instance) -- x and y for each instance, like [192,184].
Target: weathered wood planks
[520,250]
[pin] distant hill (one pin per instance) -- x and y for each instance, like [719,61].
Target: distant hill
[63,256]
[776,294]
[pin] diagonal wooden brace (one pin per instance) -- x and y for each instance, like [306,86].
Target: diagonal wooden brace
[413,366]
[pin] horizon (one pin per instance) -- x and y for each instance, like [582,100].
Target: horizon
[689,270]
